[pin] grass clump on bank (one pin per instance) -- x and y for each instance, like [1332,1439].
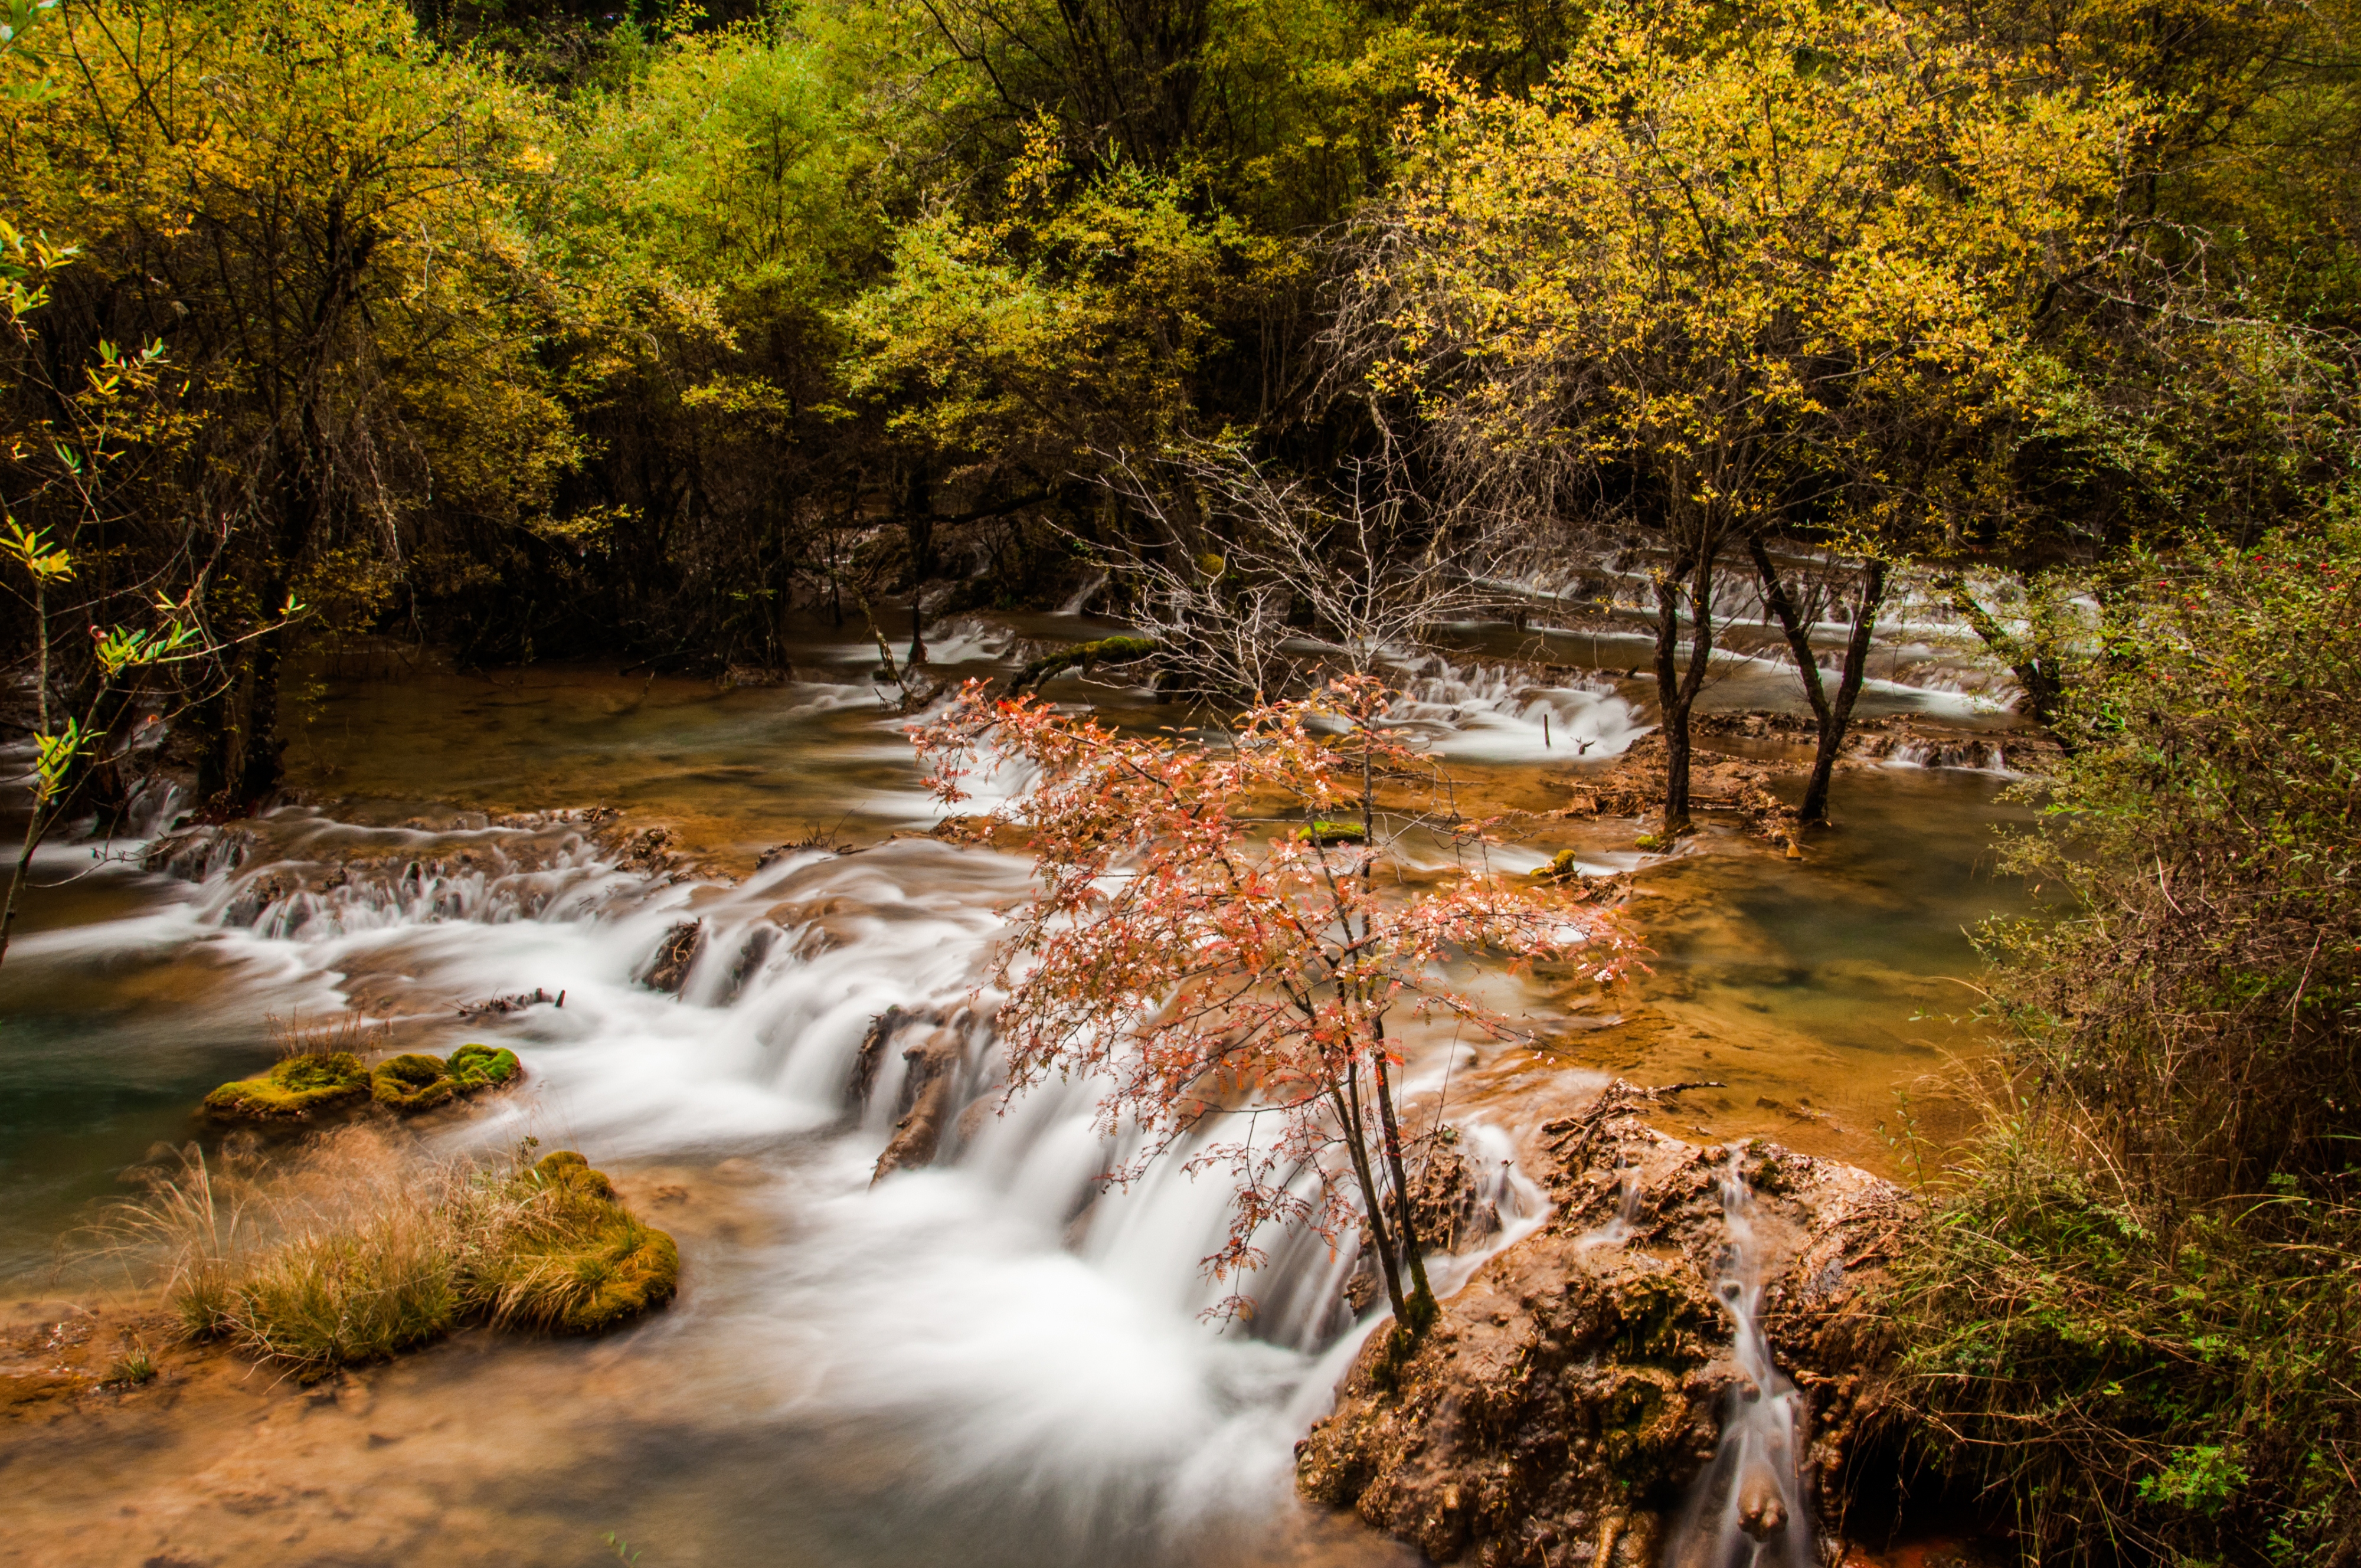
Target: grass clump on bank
[2135,1314]
[565,1253]
[362,1247]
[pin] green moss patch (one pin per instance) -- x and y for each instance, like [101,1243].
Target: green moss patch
[475,1068]
[411,1081]
[1564,866]
[294,1090]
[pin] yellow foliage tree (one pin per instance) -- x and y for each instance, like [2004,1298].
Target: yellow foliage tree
[1728,281]
[325,222]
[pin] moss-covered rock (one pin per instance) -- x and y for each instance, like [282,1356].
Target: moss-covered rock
[570,1169]
[295,1089]
[572,1257]
[1564,866]
[475,1068]
[411,1081]
[1325,833]
[1087,655]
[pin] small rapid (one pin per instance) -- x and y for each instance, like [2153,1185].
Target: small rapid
[1750,1508]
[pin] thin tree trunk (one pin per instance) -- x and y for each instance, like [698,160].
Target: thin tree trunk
[1422,1297]
[258,776]
[24,869]
[921,529]
[1830,718]
[1676,689]
[1856,670]
[1356,1144]
[42,710]
[2043,685]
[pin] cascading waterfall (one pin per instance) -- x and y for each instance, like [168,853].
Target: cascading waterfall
[1010,1323]
[1749,1509]
[1492,712]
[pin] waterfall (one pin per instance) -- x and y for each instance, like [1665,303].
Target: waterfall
[1082,597]
[1749,1509]
[996,1318]
[1491,712]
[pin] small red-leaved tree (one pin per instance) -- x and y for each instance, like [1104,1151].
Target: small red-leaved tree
[1213,933]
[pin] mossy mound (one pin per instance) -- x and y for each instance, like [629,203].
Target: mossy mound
[411,1081]
[294,1088]
[1326,833]
[1562,867]
[475,1068]
[568,1168]
[572,1257]
[626,1269]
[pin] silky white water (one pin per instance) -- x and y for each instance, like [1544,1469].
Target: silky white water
[1751,1508]
[967,1323]
[984,1362]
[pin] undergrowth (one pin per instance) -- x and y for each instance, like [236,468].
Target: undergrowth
[2134,1387]
[2134,1315]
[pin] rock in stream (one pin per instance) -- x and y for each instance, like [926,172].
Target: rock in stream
[1563,1405]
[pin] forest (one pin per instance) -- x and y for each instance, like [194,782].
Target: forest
[1284,332]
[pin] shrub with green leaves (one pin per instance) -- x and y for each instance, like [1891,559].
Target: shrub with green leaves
[2137,1314]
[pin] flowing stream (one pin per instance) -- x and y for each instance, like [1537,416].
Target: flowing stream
[985,1361]
[1749,1509]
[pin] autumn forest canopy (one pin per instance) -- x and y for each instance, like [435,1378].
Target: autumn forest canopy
[549,330]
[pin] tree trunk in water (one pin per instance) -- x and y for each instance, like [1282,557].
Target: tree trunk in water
[33,825]
[1347,1101]
[2039,677]
[260,771]
[1420,1306]
[1676,689]
[41,729]
[238,757]
[921,529]
[1830,718]
[1856,670]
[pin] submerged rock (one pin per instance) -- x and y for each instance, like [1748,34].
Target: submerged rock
[1567,1399]
[295,1089]
[674,955]
[930,1090]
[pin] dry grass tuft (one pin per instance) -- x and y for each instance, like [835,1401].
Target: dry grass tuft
[363,1245]
[348,1032]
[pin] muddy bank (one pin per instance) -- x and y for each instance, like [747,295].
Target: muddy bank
[1570,1396]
